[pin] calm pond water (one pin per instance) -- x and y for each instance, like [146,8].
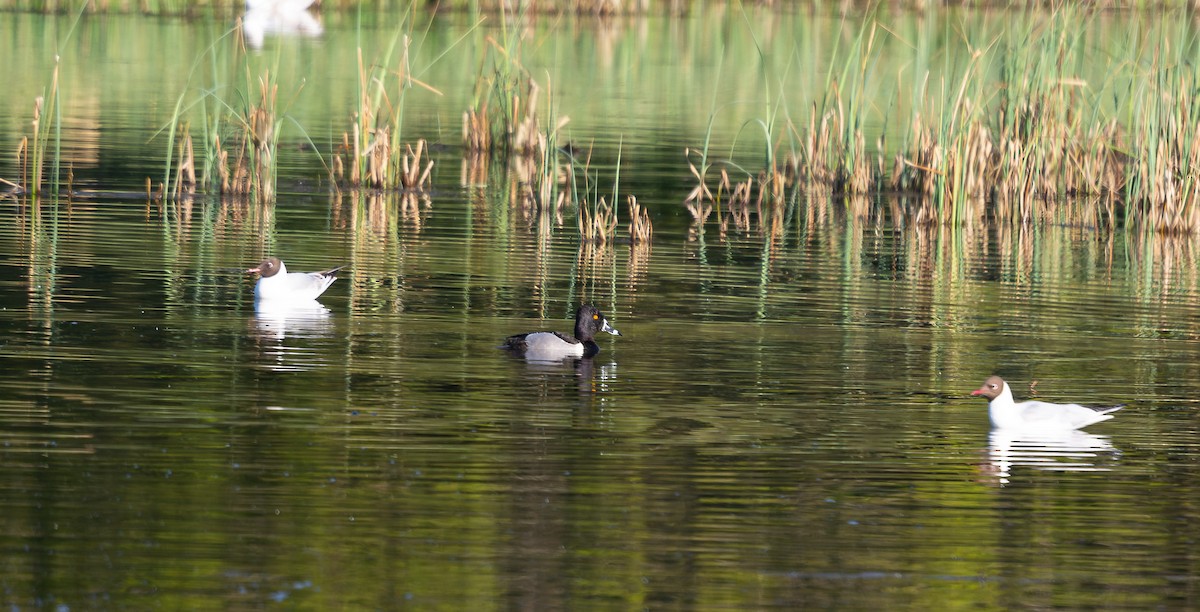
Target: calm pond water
[784,423]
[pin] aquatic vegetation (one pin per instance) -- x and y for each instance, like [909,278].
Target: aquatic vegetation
[1017,120]
[41,152]
[240,121]
[597,222]
[367,155]
[504,110]
[641,229]
[254,167]
[1007,129]
[700,193]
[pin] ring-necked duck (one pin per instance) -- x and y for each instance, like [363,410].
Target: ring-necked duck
[277,283]
[551,345]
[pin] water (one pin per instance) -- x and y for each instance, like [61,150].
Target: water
[789,434]
[784,423]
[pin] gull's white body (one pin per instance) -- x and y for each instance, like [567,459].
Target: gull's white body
[1035,415]
[277,285]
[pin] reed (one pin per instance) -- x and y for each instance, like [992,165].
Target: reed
[700,193]
[504,108]
[236,151]
[641,230]
[1163,192]
[597,222]
[596,218]
[832,149]
[1018,149]
[250,168]
[44,147]
[539,166]
[185,167]
[368,155]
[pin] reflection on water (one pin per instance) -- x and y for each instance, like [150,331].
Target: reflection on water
[278,322]
[772,427]
[592,378]
[1055,451]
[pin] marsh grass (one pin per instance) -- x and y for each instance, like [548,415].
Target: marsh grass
[641,229]
[597,222]
[503,113]
[1008,130]
[44,146]
[228,8]
[1163,190]
[250,168]
[1009,123]
[369,155]
[236,152]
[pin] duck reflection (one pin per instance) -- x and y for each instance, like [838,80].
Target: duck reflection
[280,18]
[1057,451]
[591,378]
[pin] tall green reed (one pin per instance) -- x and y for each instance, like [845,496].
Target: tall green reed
[1163,191]
[370,154]
[45,145]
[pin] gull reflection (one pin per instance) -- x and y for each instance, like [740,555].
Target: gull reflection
[305,319]
[278,17]
[1056,451]
[275,323]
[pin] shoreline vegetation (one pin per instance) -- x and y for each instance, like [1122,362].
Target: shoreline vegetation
[1008,127]
[604,8]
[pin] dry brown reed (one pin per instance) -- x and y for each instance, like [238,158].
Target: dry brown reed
[597,8]
[700,193]
[379,165]
[596,224]
[524,137]
[517,120]
[832,155]
[641,233]
[185,167]
[368,155]
[250,172]
[477,130]
[754,204]
[23,163]
[700,212]
[1166,194]
[641,230]
[31,153]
